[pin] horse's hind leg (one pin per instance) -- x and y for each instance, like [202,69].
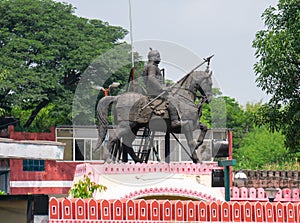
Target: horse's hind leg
[115,150]
[118,153]
[113,147]
[127,146]
[129,150]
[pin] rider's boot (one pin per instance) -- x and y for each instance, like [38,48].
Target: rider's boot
[175,122]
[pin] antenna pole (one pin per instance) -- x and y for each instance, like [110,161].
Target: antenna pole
[131,35]
[131,43]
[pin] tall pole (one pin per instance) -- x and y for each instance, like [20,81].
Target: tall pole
[131,35]
[131,43]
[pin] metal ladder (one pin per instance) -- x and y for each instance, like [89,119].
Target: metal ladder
[146,145]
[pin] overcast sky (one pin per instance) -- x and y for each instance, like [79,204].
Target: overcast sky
[204,27]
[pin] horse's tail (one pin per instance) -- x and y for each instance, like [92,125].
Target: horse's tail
[102,118]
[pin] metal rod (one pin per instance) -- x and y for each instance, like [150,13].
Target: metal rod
[182,146]
[167,147]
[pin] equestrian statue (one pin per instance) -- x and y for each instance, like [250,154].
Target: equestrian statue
[164,109]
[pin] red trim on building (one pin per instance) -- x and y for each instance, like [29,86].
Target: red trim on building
[54,171]
[49,136]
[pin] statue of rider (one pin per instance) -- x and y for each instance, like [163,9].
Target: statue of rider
[153,80]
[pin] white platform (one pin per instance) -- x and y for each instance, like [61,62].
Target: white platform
[152,180]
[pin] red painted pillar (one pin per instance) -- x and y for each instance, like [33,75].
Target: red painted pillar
[230,156]
[11,131]
[91,209]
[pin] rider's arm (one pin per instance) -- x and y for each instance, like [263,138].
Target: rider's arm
[154,79]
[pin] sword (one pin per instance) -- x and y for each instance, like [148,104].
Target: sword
[182,79]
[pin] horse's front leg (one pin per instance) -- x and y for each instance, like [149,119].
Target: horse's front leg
[203,130]
[188,132]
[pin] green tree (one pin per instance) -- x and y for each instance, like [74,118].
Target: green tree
[43,120]
[225,112]
[2,76]
[278,69]
[44,49]
[260,147]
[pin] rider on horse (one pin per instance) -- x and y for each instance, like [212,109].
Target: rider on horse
[154,85]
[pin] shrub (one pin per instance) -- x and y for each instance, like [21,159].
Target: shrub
[85,188]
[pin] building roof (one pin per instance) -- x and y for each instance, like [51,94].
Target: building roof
[31,149]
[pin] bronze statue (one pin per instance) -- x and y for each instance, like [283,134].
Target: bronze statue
[133,111]
[152,76]
[153,80]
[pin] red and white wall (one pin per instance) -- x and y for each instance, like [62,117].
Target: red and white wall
[56,179]
[136,211]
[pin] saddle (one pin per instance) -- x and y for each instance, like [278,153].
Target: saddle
[158,108]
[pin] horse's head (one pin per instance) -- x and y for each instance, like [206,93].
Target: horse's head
[202,81]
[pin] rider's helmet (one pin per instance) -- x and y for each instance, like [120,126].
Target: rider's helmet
[154,55]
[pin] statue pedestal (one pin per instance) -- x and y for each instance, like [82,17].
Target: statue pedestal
[153,180]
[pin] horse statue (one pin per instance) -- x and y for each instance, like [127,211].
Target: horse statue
[133,111]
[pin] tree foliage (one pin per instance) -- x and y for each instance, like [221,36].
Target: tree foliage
[44,49]
[278,70]
[254,147]
[225,112]
[2,111]
[260,147]
[85,188]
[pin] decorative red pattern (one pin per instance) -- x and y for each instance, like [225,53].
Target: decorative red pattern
[150,167]
[253,194]
[170,191]
[119,210]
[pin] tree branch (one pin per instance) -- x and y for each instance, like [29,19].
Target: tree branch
[34,113]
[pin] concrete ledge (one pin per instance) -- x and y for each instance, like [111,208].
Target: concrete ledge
[30,149]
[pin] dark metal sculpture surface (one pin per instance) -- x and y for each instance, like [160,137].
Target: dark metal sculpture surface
[133,111]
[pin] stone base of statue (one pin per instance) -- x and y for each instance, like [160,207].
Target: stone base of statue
[153,180]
